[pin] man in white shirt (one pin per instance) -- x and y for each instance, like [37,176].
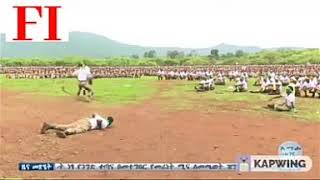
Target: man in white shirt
[83,76]
[183,75]
[307,86]
[171,75]
[95,122]
[205,85]
[208,84]
[241,85]
[220,80]
[160,74]
[287,104]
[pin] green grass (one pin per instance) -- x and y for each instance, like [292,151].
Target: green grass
[222,99]
[181,96]
[108,91]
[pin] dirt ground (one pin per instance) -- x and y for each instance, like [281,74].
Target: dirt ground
[143,133]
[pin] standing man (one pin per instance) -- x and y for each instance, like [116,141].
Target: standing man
[83,75]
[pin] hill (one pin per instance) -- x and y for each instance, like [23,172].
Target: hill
[97,46]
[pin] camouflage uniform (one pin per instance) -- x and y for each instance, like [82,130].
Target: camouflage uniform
[77,127]
[80,126]
[63,130]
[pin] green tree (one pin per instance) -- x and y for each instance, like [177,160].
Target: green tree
[135,56]
[150,54]
[239,53]
[170,62]
[174,54]
[214,53]
[270,57]
[192,53]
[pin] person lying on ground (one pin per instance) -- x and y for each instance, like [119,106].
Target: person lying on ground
[95,122]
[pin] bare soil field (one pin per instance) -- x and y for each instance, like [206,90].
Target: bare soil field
[144,133]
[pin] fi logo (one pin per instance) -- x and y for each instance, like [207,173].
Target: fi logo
[33,20]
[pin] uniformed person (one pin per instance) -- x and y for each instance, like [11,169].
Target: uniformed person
[287,104]
[83,125]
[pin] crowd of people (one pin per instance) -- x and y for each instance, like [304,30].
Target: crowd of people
[166,72]
[298,80]
[46,72]
[271,82]
[305,79]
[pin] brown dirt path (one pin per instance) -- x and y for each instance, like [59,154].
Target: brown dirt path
[142,133]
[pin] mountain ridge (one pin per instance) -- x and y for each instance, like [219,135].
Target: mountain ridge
[99,46]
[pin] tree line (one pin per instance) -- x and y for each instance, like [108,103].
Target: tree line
[176,58]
